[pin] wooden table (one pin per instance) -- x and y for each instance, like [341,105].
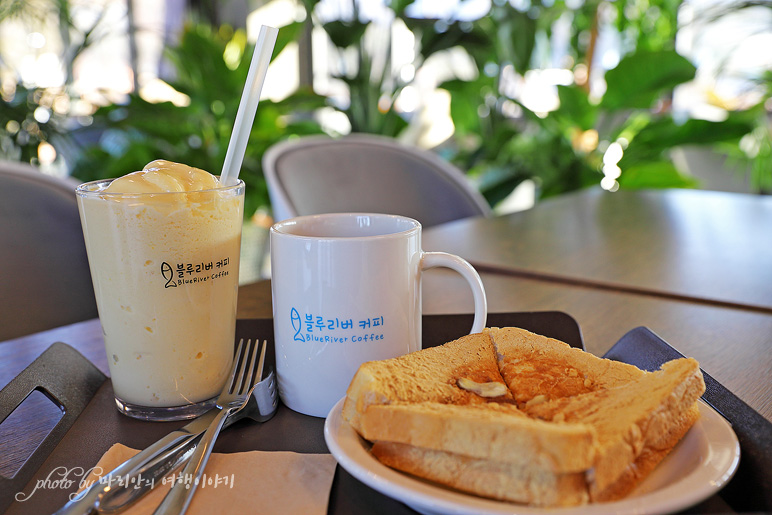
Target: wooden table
[697,246]
[691,266]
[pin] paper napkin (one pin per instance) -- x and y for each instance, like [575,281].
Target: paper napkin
[245,482]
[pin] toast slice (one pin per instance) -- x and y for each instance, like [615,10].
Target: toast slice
[564,414]
[629,408]
[537,368]
[453,397]
[490,431]
[429,375]
[518,483]
[647,416]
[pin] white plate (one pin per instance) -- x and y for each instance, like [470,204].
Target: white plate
[698,467]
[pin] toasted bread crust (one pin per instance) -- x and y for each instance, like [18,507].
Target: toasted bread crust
[535,367]
[491,431]
[631,417]
[648,459]
[426,375]
[488,478]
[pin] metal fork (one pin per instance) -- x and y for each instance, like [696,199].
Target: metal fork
[233,397]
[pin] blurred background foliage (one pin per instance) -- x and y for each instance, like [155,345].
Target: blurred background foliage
[211,67]
[622,137]
[501,143]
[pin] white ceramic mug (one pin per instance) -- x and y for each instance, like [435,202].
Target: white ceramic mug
[347,289]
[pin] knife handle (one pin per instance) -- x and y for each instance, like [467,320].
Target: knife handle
[88,500]
[178,498]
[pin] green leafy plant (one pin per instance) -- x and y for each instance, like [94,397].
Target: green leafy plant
[372,84]
[753,154]
[31,115]
[27,120]
[501,142]
[211,69]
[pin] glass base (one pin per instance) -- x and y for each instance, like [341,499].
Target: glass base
[165,413]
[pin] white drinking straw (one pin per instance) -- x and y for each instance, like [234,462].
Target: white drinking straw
[245,116]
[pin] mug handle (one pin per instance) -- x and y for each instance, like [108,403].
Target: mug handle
[467,271]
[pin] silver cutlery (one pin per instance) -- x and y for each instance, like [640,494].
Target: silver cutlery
[132,479]
[237,391]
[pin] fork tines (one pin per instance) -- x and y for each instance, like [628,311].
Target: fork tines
[256,366]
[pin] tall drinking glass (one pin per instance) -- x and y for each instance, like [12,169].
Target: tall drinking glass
[165,273]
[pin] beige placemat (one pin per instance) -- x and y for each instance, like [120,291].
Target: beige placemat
[245,482]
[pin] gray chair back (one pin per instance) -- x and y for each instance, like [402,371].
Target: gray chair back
[366,173]
[44,275]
